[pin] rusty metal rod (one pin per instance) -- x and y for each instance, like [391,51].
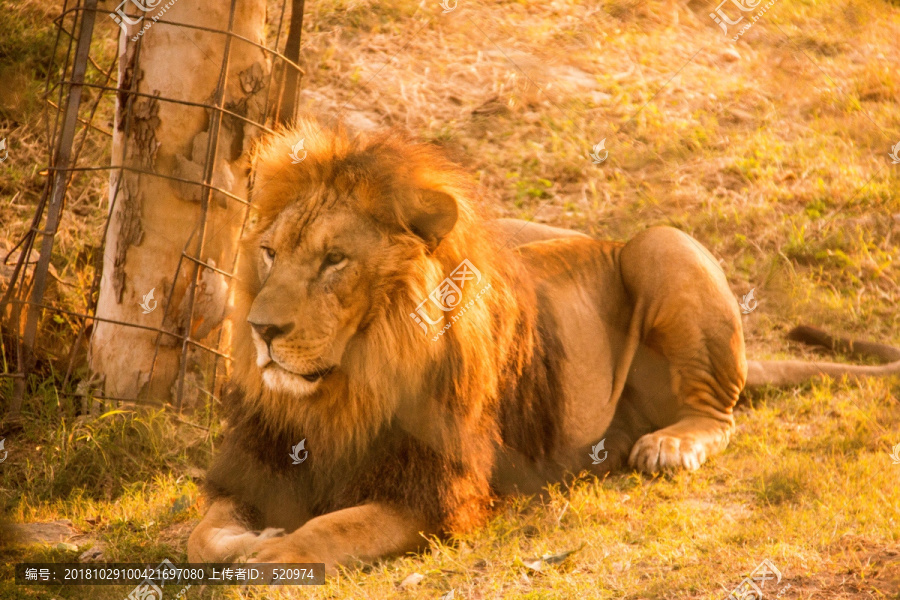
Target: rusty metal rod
[54,212]
[211,150]
[291,80]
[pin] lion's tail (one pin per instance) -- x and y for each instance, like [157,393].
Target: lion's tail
[854,348]
[793,372]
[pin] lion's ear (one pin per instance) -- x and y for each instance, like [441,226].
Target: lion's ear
[433,217]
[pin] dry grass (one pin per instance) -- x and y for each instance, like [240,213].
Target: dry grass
[772,151]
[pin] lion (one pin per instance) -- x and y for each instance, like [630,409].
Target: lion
[431,361]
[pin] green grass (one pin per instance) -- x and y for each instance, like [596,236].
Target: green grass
[807,476]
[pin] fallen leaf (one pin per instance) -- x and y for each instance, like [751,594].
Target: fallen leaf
[537,564]
[411,580]
[92,555]
[731,55]
[534,565]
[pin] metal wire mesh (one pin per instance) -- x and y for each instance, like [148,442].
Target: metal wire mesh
[77,90]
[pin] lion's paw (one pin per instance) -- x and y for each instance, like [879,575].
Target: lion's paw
[280,550]
[659,451]
[269,532]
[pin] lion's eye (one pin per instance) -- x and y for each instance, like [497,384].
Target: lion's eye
[268,254]
[333,258]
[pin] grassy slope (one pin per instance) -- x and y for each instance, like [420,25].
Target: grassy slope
[777,161]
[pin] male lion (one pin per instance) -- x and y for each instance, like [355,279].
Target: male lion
[431,360]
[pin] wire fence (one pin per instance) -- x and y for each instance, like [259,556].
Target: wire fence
[79,91]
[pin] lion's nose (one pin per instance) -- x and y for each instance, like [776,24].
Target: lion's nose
[269,331]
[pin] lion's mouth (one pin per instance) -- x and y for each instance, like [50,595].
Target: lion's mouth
[312,376]
[317,375]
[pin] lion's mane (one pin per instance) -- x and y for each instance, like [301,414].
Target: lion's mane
[434,411]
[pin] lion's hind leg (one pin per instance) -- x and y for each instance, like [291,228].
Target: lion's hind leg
[223,536]
[685,312]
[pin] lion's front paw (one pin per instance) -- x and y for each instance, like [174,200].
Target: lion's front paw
[268,533]
[659,451]
[281,550]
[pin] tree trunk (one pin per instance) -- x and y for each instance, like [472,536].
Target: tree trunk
[153,220]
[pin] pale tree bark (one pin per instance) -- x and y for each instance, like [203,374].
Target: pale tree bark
[153,219]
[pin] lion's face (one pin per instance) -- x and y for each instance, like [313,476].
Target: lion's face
[323,268]
[316,289]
